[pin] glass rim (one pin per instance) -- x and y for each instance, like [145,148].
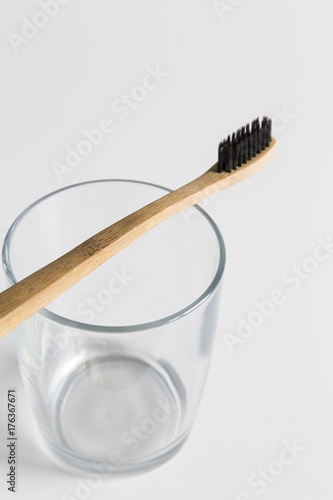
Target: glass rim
[124,328]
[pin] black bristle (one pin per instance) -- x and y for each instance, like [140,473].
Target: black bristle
[235,157]
[264,135]
[229,159]
[250,139]
[255,143]
[240,154]
[233,141]
[262,138]
[244,145]
[258,142]
[221,153]
[245,150]
[269,132]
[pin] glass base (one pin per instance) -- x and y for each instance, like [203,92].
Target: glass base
[117,414]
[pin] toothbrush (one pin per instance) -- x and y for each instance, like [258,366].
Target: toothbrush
[239,156]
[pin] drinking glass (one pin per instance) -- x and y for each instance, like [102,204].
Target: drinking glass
[115,367]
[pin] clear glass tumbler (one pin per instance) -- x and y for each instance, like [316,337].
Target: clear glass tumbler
[115,367]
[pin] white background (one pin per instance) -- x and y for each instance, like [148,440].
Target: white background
[258,57]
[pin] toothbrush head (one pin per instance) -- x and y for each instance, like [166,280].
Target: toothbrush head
[244,145]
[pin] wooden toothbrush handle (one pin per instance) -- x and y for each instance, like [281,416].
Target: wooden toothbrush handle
[34,292]
[28,296]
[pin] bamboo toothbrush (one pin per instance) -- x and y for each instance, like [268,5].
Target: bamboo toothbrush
[240,156]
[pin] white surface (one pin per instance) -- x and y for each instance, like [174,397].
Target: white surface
[262,57]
